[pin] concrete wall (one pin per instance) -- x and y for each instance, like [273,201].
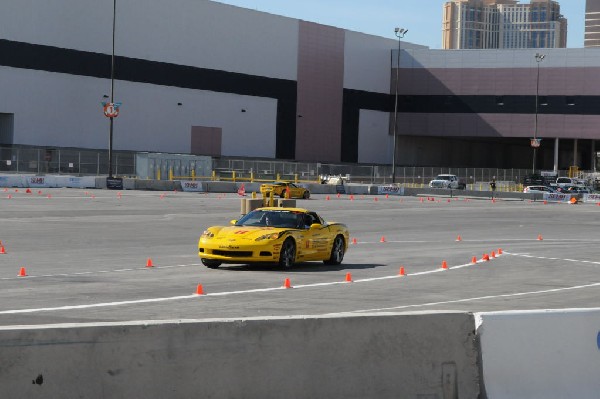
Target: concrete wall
[541,354]
[374,356]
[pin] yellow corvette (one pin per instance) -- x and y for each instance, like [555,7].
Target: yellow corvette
[281,188]
[274,235]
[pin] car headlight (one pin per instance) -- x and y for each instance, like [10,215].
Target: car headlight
[270,236]
[208,234]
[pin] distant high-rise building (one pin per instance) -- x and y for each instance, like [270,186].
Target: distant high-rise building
[592,23]
[505,24]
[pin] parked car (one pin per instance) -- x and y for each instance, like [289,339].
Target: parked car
[448,181]
[282,188]
[538,189]
[568,182]
[576,190]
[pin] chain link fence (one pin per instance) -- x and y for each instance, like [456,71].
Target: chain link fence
[35,160]
[78,162]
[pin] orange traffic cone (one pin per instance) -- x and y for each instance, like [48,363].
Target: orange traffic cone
[352,198]
[338,195]
[540,237]
[493,254]
[387,196]
[28,191]
[401,272]
[327,198]
[348,278]
[376,199]
[287,283]
[199,290]
[485,257]
[382,239]
[499,251]
[22,273]
[354,242]
[149,263]
[2,250]
[459,238]
[474,260]
[444,265]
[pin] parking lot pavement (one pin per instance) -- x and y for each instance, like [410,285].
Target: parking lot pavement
[85,256]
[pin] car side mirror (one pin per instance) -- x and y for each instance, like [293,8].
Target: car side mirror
[315,226]
[233,221]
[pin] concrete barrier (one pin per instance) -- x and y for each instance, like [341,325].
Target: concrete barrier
[541,354]
[427,355]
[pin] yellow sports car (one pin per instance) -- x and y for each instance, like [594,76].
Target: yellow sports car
[274,235]
[281,188]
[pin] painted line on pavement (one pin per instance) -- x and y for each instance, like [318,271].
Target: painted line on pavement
[481,298]
[99,272]
[176,298]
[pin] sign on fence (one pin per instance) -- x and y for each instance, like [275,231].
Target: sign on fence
[190,185]
[391,190]
[557,197]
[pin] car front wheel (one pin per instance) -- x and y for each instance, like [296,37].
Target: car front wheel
[337,252]
[287,256]
[306,195]
[211,264]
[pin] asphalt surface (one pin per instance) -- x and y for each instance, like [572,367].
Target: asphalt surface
[85,255]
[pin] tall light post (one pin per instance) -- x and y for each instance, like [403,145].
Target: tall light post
[535,143]
[400,32]
[112,91]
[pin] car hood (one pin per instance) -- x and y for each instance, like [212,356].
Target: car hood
[245,233]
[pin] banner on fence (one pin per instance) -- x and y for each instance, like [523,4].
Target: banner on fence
[591,198]
[190,185]
[48,181]
[557,197]
[391,190]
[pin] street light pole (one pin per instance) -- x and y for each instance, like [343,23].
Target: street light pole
[112,92]
[538,58]
[399,34]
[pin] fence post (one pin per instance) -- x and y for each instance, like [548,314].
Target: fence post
[171,173]
[193,174]
[233,176]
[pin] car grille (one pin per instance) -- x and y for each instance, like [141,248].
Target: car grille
[233,254]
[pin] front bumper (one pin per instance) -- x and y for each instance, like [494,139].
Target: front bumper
[239,253]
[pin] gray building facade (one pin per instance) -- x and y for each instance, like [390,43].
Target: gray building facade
[191,82]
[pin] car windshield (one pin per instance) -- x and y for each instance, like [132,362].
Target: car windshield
[263,218]
[442,177]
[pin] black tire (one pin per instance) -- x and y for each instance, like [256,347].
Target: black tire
[282,195]
[337,251]
[306,195]
[211,264]
[287,256]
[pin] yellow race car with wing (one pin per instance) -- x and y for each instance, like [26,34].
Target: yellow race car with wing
[281,189]
[283,236]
